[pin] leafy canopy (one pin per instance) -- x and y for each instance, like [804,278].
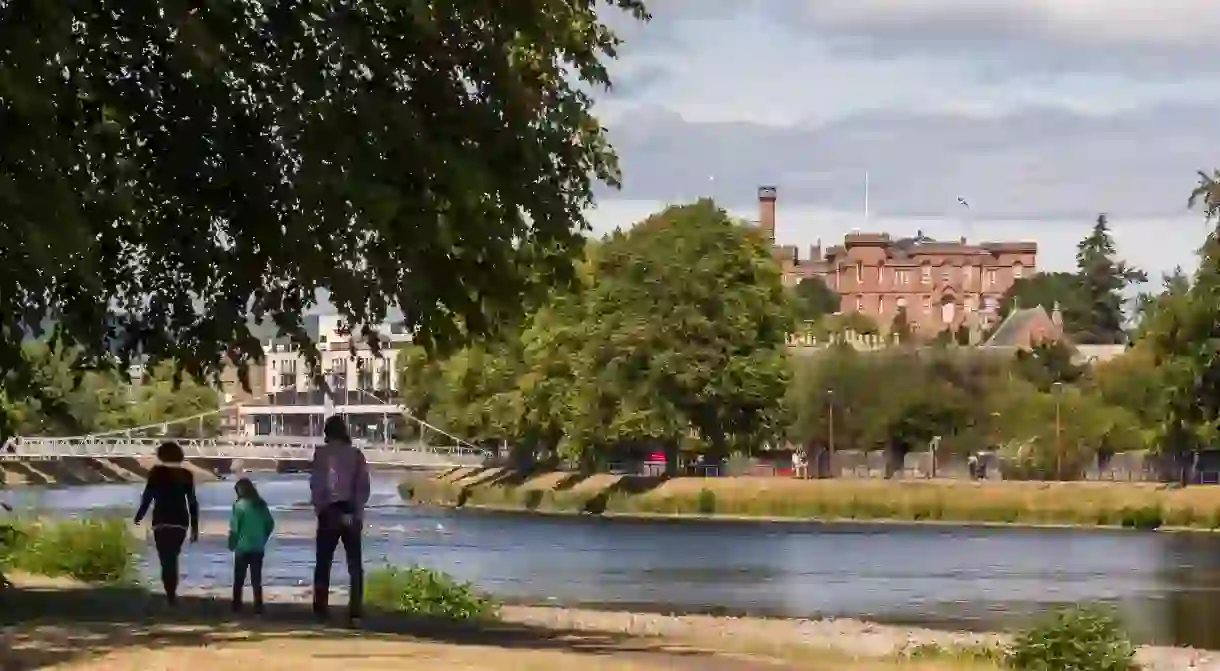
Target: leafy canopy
[169,168]
[675,339]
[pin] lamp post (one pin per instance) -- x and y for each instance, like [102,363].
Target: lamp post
[830,427]
[1057,390]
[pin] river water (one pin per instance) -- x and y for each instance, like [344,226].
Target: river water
[1165,585]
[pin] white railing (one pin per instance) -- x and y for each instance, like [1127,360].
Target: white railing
[278,448]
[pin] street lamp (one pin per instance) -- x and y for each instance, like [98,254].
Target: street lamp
[830,426]
[1057,391]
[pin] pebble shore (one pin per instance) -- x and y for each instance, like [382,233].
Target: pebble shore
[851,636]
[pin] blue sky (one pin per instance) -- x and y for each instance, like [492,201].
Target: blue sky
[1041,113]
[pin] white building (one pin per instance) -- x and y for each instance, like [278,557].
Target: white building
[363,385]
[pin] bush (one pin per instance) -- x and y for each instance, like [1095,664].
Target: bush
[705,504]
[1077,639]
[96,551]
[422,591]
[1146,518]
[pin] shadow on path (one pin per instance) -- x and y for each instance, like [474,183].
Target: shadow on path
[48,626]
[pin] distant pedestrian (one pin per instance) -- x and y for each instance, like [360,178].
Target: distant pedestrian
[339,490]
[250,528]
[171,493]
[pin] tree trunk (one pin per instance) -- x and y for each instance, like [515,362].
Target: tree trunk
[671,459]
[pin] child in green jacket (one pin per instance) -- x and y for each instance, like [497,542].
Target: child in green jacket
[250,528]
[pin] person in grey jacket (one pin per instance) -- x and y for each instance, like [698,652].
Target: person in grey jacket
[339,491]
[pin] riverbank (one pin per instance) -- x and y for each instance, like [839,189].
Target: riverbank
[61,624]
[1048,504]
[89,471]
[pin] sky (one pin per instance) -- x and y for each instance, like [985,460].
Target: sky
[1041,114]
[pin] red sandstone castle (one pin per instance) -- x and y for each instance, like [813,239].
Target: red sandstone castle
[941,284]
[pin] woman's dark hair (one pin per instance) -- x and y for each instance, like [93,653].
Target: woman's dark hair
[335,428]
[170,453]
[246,490]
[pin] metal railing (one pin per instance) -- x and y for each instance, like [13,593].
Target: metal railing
[278,448]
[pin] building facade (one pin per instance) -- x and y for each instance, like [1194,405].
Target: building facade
[285,399]
[941,285]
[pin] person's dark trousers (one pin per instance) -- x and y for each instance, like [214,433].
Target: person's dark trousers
[252,562]
[331,532]
[168,541]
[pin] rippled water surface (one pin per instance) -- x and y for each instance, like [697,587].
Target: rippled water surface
[1166,585]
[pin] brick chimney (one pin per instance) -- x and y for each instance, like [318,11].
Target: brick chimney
[766,212]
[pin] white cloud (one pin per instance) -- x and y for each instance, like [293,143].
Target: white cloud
[1173,24]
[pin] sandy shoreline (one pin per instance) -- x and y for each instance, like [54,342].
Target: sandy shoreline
[789,641]
[850,636]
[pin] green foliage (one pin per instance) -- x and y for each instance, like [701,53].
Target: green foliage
[901,326]
[1181,334]
[676,339]
[170,169]
[932,652]
[89,550]
[705,503]
[1047,289]
[1076,639]
[941,393]
[67,401]
[1091,299]
[1102,279]
[427,593]
[812,299]
[1048,363]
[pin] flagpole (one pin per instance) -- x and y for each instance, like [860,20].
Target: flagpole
[866,195]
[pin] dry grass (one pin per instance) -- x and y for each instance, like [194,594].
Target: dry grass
[1070,503]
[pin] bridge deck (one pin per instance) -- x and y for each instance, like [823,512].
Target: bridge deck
[414,454]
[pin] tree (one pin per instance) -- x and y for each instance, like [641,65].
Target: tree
[1174,285]
[1182,334]
[684,333]
[813,300]
[1046,289]
[901,326]
[1048,363]
[171,168]
[1102,280]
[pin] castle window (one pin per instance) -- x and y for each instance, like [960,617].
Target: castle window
[859,303]
[925,273]
[1018,270]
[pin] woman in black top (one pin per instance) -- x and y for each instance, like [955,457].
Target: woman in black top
[171,493]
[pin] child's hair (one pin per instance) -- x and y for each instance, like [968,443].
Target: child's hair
[246,490]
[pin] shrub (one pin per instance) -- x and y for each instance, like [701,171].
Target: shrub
[97,551]
[1146,518]
[1077,639]
[969,653]
[705,504]
[422,591]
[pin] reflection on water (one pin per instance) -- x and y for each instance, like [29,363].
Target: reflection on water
[1167,586]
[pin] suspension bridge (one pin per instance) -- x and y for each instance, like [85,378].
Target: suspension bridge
[429,447]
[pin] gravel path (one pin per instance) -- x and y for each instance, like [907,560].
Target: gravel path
[853,637]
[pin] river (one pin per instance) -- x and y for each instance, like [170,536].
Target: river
[1166,585]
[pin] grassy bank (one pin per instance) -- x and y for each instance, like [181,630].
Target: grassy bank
[1131,505]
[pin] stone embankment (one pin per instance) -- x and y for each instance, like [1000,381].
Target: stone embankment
[88,471]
